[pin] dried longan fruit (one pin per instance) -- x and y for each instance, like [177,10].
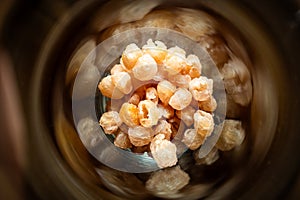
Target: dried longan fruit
[165,90]
[108,89]
[201,88]
[163,151]
[203,123]
[232,135]
[180,80]
[174,64]
[122,81]
[122,140]
[192,139]
[196,67]
[130,56]
[237,81]
[151,94]
[148,113]
[167,181]
[110,122]
[157,50]
[140,136]
[129,114]
[186,115]
[117,68]
[161,74]
[166,111]
[180,99]
[135,99]
[163,127]
[209,105]
[145,68]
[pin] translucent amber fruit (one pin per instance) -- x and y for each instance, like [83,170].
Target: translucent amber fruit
[110,122]
[145,68]
[140,136]
[201,88]
[167,181]
[203,123]
[180,99]
[130,56]
[157,50]
[108,89]
[122,81]
[122,140]
[192,139]
[186,115]
[165,90]
[163,151]
[232,135]
[129,114]
[148,113]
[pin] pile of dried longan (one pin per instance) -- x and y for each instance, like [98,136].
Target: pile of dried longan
[158,88]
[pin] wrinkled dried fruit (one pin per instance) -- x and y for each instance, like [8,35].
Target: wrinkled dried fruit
[163,151]
[166,111]
[130,56]
[122,81]
[231,136]
[196,67]
[180,80]
[186,115]
[237,81]
[145,68]
[165,90]
[163,127]
[192,139]
[148,113]
[180,99]
[108,89]
[151,94]
[110,122]
[174,63]
[134,99]
[203,123]
[157,50]
[209,105]
[122,140]
[116,69]
[129,114]
[140,136]
[167,181]
[201,88]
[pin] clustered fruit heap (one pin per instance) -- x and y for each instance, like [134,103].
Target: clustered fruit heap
[158,88]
